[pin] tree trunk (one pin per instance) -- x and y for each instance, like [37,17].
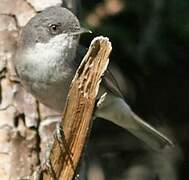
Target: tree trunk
[25,125]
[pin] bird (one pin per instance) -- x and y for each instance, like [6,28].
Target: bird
[47,57]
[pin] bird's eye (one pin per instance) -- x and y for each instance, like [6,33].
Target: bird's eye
[55,29]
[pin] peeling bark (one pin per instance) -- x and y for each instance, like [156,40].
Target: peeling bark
[20,114]
[77,115]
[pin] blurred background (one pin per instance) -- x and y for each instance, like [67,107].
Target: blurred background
[150,60]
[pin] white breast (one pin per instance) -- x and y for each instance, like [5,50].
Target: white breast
[46,69]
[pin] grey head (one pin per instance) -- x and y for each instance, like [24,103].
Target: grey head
[46,54]
[48,24]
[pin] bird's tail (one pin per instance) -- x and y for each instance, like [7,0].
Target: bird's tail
[116,110]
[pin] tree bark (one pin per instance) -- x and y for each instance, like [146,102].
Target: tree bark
[76,119]
[25,125]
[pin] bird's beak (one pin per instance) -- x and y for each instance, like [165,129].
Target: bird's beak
[81,31]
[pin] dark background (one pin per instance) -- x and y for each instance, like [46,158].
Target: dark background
[150,41]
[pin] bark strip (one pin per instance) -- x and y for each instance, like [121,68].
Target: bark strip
[76,118]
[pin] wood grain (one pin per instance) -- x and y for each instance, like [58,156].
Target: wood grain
[76,118]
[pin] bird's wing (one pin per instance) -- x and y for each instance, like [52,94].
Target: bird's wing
[111,84]
[116,110]
[108,80]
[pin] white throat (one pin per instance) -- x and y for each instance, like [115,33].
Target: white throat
[60,46]
[47,69]
[51,61]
